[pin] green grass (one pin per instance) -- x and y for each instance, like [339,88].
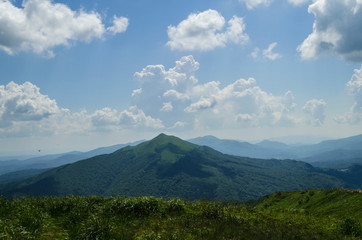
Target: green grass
[96,217]
[333,202]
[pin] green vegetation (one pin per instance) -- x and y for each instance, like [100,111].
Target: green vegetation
[278,216]
[168,167]
[342,203]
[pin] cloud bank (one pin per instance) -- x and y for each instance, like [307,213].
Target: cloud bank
[25,111]
[171,99]
[174,95]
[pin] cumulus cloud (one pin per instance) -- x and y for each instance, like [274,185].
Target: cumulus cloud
[241,103]
[316,110]
[137,118]
[203,103]
[158,85]
[105,117]
[336,30]
[354,88]
[41,25]
[134,117]
[251,4]
[25,111]
[120,25]
[269,54]
[24,102]
[203,31]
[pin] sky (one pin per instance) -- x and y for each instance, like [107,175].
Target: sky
[81,74]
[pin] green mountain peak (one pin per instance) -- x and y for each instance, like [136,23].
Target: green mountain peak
[168,166]
[166,142]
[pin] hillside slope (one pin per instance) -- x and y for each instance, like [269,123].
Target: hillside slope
[341,203]
[167,166]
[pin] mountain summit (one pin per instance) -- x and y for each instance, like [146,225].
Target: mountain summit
[167,166]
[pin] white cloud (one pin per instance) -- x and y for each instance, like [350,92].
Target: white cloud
[316,109]
[203,31]
[269,54]
[354,88]
[24,103]
[173,94]
[251,4]
[255,53]
[105,117]
[120,25]
[25,111]
[203,103]
[210,104]
[167,107]
[41,25]
[179,124]
[137,118]
[336,30]
[133,117]
[298,2]
[158,85]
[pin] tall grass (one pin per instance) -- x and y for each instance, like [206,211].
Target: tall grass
[95,217]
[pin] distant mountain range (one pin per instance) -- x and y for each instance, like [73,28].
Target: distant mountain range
[167,166]
[55,160]
[340,153]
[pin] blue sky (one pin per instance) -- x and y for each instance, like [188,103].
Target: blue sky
[76,75]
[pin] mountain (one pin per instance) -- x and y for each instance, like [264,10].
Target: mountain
[19,175]
[335,159]
[55,160]
[167,166]
[340,153]
[353,143]
[265,149]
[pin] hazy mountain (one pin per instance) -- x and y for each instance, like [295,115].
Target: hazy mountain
[19,175]
[336,158]
[55,160]
[265,149]
[331,153]
[168,166]
[299,139]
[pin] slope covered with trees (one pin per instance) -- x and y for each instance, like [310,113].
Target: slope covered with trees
[167,166]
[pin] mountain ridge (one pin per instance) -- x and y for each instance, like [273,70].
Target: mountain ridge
[167,166]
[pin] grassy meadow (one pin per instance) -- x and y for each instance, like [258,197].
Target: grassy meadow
[277,216]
